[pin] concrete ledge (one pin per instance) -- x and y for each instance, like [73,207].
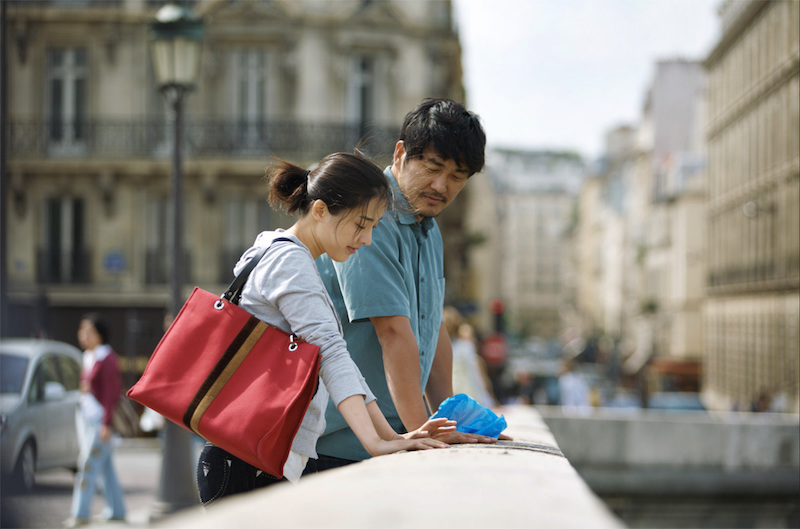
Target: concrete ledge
[524,483]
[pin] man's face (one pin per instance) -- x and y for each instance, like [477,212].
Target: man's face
[429,182]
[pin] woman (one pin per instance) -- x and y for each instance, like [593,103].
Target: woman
[101,388]
[340,202]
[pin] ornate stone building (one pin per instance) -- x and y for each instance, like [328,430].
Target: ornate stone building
[753,308]
[89,140]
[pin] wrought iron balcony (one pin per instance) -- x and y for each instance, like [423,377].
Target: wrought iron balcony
[205,138]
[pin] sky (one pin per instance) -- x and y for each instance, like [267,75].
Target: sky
[559,74]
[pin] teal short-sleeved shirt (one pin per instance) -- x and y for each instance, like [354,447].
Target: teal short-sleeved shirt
[400,274]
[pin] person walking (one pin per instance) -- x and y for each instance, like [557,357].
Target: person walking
[469,373]
[101,388]
[340,202]
[390,296]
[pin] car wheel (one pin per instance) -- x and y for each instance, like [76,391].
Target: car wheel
[25,471]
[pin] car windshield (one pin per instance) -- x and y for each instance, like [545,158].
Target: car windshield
[12,373]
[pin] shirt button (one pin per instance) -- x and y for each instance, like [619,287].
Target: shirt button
[422,317]
[421,279]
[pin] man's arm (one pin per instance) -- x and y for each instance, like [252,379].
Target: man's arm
[440,381]
[401,364]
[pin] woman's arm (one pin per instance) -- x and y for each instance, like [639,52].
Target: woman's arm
[358,418]
[432,428]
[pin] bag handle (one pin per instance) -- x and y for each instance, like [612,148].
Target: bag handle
[234,292]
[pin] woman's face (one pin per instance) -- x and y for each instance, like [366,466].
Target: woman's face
[343,234]
[88,337]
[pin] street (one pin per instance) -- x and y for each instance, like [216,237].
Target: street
[138,464]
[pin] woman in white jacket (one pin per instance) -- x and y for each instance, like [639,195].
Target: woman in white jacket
[340,202]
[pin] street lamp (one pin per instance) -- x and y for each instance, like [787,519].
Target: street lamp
[176,40]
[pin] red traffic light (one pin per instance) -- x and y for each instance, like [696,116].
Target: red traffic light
[496,306]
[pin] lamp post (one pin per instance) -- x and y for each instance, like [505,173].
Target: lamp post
[176,43]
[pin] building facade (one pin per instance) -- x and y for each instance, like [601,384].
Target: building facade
[640,243]
[536,195]
[753,308]
[90,141]
[671,245]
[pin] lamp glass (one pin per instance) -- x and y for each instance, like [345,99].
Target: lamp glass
[177,61]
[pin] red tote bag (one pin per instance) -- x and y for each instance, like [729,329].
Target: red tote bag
[224,374]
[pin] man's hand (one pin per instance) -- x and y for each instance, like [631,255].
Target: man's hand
[466,438]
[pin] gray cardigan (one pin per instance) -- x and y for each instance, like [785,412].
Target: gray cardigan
[286,291]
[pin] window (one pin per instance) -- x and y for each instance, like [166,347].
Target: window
[70,373]
[46,371]
[251,96]
[361,95]
[158,241]
[66,105]
[243,219]
[12,373]
[63,257]
[156,238]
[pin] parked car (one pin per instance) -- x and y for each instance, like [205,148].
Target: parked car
[39,397]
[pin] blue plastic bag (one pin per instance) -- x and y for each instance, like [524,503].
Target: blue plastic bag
[470,416]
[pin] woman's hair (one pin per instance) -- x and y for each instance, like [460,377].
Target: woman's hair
[342,181]
[450,129]
[99,324]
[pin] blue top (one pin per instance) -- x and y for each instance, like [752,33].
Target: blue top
[400,274]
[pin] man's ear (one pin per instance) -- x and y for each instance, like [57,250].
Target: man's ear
[319,210]
[399,153]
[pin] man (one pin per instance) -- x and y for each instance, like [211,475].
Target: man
[390,295]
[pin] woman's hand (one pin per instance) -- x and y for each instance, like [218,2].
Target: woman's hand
[432,428]
[105,433]
[382,447]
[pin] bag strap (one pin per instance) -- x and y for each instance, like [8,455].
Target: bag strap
[234,292]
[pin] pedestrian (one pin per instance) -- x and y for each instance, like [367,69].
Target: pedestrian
[574,391]
[340,202]
[390,296]
[469,373]
[101,388]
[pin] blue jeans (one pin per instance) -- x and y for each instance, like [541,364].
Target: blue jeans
[220,474]
[323,463]
[95,462]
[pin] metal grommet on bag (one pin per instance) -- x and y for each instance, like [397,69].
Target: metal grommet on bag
[219,305]
[292,343]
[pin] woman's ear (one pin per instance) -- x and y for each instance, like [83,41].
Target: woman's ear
[319,210]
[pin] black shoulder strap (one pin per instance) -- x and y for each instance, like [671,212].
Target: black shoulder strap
[234,292]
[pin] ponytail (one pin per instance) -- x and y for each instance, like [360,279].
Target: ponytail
[288,187]
[341,180]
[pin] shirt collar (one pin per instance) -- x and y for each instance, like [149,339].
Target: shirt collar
[101,352]
[401,208]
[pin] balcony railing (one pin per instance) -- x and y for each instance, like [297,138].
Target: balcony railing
[757,275]
[84,4]
[204,138]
